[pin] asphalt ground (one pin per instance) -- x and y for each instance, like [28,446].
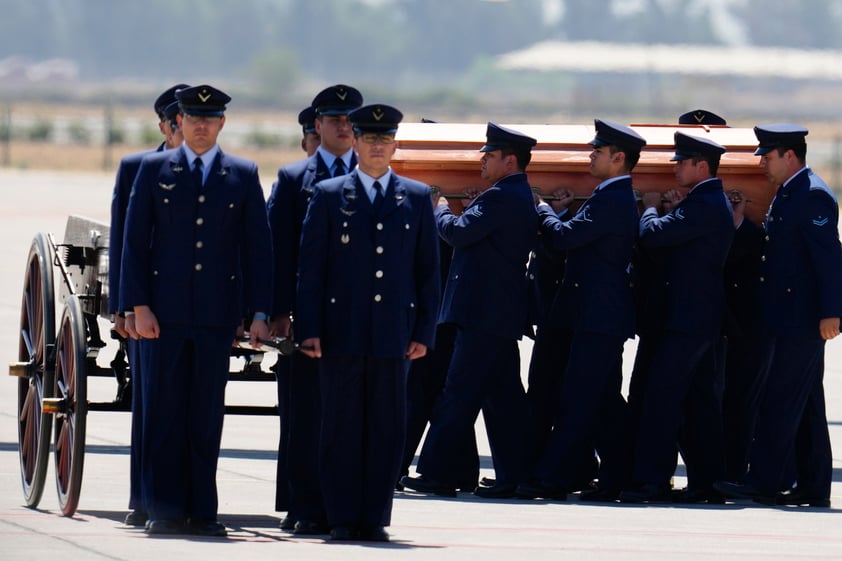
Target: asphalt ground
[423,527]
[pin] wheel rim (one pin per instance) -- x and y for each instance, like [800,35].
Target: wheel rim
[37,340]
[71,389]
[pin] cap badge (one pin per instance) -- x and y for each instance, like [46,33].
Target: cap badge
[699,117]
[342,94]
[378,114]
[204,98]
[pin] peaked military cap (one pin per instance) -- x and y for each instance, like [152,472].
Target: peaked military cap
[614,134]
[307,119]
[687,147]
[337,100]
[376,118]
[701,117]
[497,137]
[202,100]
[166,98]
[778,135]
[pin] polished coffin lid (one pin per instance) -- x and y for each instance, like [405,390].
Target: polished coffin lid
[446,155]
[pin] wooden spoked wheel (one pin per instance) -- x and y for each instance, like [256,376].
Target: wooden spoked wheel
[70,403]
[36,355]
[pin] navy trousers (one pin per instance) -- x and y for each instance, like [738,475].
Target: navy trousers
[136,448]
[591,413]
[425,384]
[675,365]
[484,374]
[184,374]
[362,437]
[792,423]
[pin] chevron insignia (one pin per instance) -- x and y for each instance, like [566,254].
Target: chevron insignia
[820,221]
[166,186]
[204,98]
[342,94]
[378,113]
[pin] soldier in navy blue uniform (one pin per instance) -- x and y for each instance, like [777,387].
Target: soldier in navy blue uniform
[696,236]
[595,302]
[368,295]
[310,139]
[801,303]
[166,108]
[299,491]
[194,250]
[486,298]
[309,143]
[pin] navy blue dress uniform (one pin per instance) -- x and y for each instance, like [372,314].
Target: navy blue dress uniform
[595,302]
[298,489]
[165,106]
[368,288]
[682,382]
[800,285]
[195,254]
[486,298]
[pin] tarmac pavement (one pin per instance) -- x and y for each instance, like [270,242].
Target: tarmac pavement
[423,527]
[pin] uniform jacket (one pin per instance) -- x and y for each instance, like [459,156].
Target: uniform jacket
[596,293]
[696,237]
[742,274]
[287,207]
[368,282]
[119,204]
[487,286]
[800,272]
[197,255]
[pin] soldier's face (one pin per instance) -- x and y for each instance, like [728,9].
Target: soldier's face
[775,166]
[336,133]
[200,132]
[688,172]
[494,166]
[601,162]
[310,142]
[375,152]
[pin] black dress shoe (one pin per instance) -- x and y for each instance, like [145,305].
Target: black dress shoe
[423,485]
[647,493]
[598,495]
[794,497]
[496,491]
[487,482]
[734,490]
[344,533]
[540,491]
[310,528]
[136,518]
[288,522]
[374,534]
[690,495]
[164,527]
[210,528]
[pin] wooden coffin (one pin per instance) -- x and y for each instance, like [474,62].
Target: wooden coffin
[446,155]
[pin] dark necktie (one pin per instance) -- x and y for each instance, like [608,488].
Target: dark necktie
[198,171]
[378,196]
[338,168]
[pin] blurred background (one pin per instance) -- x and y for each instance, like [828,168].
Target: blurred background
[78,77]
